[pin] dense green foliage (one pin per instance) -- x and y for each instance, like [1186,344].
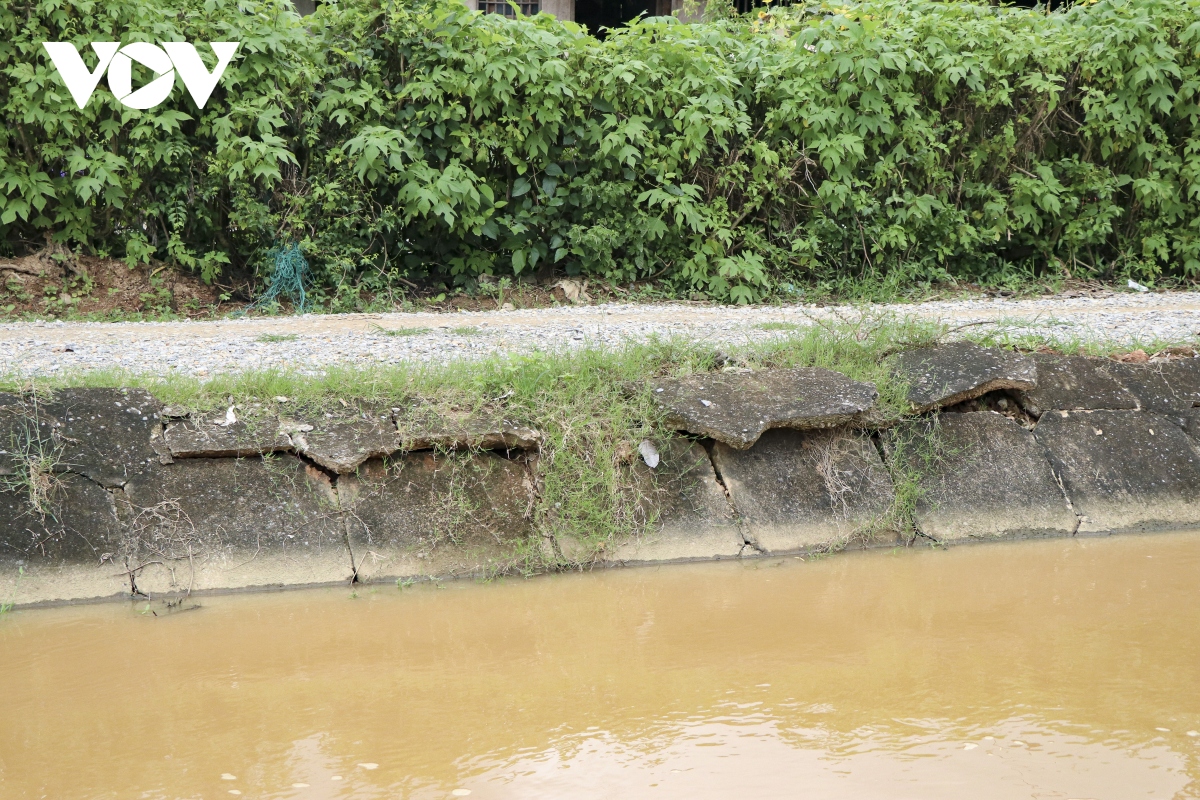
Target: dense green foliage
[893,140]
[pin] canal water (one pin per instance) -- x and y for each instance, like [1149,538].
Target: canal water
[1046,669]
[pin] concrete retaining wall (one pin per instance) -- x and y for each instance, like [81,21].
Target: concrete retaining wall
[104,492]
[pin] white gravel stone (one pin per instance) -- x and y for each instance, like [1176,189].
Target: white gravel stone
[314,342]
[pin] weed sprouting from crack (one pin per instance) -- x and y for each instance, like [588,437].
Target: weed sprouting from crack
[911,452]
[35,460]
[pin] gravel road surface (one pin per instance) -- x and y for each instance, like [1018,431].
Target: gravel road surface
[311,342]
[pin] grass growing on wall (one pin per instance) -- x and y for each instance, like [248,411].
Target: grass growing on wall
[592,406]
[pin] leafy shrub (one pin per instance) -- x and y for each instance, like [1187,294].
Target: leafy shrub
[173,182]
[888,140]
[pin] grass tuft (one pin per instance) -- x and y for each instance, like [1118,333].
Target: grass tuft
[379,329]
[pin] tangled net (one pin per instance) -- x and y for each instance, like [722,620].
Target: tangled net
[288,278]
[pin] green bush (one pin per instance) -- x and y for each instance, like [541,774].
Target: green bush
[891,141]
[191,187]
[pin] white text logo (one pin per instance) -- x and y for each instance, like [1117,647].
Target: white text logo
[163,61]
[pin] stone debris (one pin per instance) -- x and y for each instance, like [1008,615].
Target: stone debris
[800,490]
[736,407]
[952,373]
[997,482]
[1124,470]
[1075,382]
[649,453]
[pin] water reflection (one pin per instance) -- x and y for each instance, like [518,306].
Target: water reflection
[1063,669]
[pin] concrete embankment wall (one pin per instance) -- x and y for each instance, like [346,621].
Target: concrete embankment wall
[107,493]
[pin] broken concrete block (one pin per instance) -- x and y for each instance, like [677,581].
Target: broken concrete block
[478,432]
[692,515]
[432,514]
[205,523]
[341,445]
[104,434]
[986,477]
[801,490]
[952,373]
[211,437]
[736,407]
[1074,382]
[1124,470]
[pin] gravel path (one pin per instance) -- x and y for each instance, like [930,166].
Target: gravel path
[32,349]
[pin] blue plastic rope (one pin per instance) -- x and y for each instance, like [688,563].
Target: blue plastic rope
[288,278]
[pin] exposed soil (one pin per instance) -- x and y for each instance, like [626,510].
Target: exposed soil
[57,283]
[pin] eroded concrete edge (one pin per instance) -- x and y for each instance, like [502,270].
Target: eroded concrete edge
[64,576]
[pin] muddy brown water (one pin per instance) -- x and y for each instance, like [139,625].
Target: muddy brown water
[1050,669]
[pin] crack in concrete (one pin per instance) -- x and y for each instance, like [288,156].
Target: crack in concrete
[747,541]
[1058,480]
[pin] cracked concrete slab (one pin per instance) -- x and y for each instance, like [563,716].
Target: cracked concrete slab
[992,479]
[220,523]
[799,490]
[1124,470]
[484,432]
[1149,385]
[212,437]
[953,373]
[105,434]
[1191,423]
[694,518]
[341,444]
[65,547]
[1074,382]
[736,407]
[429,514]
[1184,376]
